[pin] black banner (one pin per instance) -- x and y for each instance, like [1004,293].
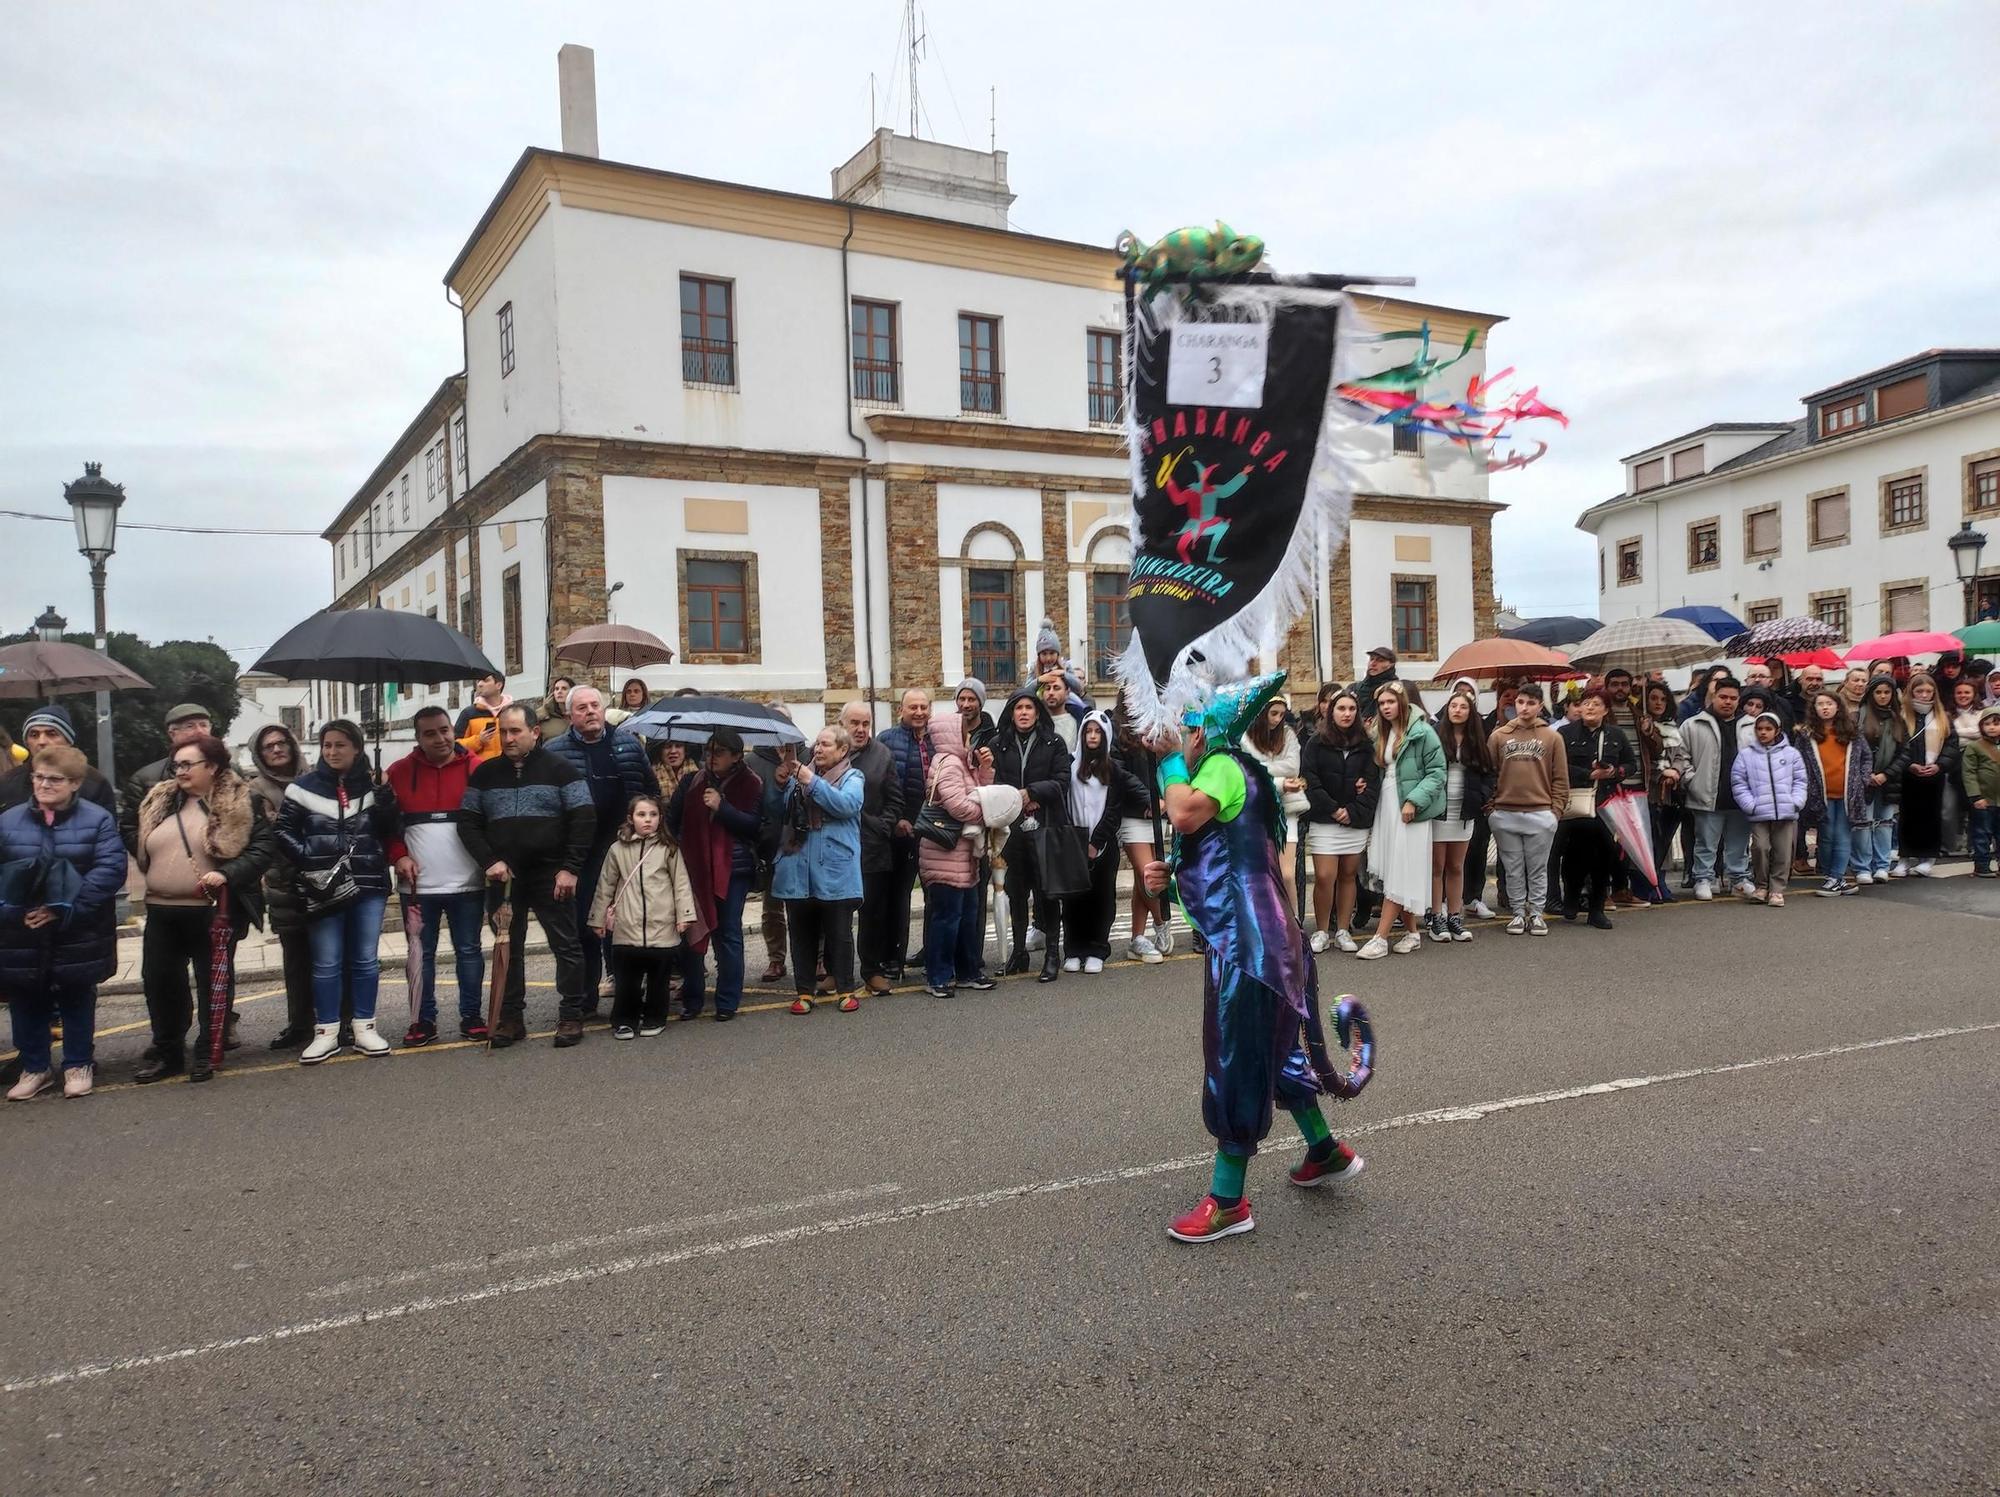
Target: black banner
[1228,418]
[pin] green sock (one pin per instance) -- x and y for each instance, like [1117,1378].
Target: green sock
[1318,1136]
[1226,1185]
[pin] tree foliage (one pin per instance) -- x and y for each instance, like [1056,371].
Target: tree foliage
[181,670]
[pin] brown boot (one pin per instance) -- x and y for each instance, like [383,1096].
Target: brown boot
[568,1032]
[878,984]
[509,1031]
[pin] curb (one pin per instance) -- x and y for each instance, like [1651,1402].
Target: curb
[127,987]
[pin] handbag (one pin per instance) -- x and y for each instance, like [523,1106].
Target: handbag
[1060,856]
[1583,803]
[935,824]
[324,890]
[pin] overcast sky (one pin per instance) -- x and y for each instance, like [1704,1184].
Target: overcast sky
[225,226]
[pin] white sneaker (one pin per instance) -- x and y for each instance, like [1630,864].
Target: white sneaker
[325,1042]
[1374,950]
[1477,910]
[1923,869]
[649,1030]
[1864,878]
[1072,964]
[1163,937]
[1704,892]
[1899,869]
[1034,941]
[1831,889]
[1143,950]
[1537,926]
[1320,941]
[1408,944]
[366,1040]
[1342,941]
[1748,890]
[1092,965]
[1517,925]
[32,1084]
[77,1081]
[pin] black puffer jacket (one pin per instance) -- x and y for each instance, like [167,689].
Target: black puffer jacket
[315,827]
[1036,763]
[1331,773]
[1603,745]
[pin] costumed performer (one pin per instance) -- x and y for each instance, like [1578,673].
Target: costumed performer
[1262,1039]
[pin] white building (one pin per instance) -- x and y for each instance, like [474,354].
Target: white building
[1843,514]
[831,447]
[268,699]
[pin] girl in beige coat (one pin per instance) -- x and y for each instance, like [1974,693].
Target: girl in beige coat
[644,906]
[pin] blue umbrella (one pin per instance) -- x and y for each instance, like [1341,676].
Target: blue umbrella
[1717,623]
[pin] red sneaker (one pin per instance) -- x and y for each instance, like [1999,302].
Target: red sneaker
[1341,1165]
[1209,1221]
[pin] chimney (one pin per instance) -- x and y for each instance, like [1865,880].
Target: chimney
[576,77]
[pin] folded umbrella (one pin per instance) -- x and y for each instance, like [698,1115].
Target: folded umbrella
[1629,818]
[413,940]
[503,959]
[221,977]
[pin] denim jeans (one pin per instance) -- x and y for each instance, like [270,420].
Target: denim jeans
[345,942]
[467,913]
[1982,830]
[76,1004]
[1728,830]
[954,940]
[1875,844]
[726,940]
[1836,841]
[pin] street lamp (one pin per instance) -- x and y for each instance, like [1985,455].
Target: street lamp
[1965,548]
[93,501]
[50,626]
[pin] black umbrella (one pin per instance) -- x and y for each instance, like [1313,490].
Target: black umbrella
[373,646]
[693,719]
[1551,633]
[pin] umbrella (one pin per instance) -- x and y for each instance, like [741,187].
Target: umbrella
[413,940]
[373,646]
[1826,660]
[1645,645]
[1782,637]
[503,958]
[43,670]
[693,719]
[1984,635]
[1564,629]
[1905,642]
[221,978]
[1719,622]
[619,646]
[1629,819]
[1501,656]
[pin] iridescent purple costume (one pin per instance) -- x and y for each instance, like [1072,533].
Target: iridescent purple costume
[1261,1035]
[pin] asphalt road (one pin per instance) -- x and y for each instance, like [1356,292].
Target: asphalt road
[921,1248]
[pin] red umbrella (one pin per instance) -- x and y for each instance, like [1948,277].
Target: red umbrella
[1629,820]
[1824,659]
[1905,642]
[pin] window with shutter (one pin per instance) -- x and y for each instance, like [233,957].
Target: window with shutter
[1827,518]
[1760,532]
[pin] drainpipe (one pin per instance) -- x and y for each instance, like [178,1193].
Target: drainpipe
[867,553]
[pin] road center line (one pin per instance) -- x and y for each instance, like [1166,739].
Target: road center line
[589,1272]
[683,1227]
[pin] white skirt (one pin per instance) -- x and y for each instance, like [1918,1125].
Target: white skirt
[1451,831]
[1133,829]
[1399,853]
[1329,839]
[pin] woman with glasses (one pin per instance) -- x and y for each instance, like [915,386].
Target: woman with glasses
[200,841]
[61,867]
[342,832]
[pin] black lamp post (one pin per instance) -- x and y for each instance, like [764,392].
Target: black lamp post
[1966,546]
[94,500]
[50,626]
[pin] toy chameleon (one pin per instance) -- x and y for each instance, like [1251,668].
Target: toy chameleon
[1193,251]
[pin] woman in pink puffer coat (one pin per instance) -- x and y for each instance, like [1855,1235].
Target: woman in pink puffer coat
[953,932]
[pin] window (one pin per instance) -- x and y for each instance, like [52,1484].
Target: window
[708,331]
[468,621]
[406,496]
[1404,437]
[1628,561]
[1103,362]
[877,372]
[1110,620]
[458,446]
[1760,532]
[431,466]
[1983,485]
[989,615]
[1687,463]
[294,720]
[1904,398]
[1844,415]
[1764,612]
[1905,605]
[1903,502]
[1831,609]
[717,608]
[1415,612]
[1649,475]
[979,364]
[510,618]
[1826,518]
[1704,545]
[506,340]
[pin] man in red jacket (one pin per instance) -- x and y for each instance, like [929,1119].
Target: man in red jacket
[430,786]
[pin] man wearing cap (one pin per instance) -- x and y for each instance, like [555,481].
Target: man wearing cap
[1381,671]
[50,727]
[185,723]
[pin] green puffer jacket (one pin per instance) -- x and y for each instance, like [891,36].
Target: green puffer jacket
[1420,773]
[1979,769]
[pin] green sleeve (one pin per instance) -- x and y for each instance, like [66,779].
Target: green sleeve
[1220,778]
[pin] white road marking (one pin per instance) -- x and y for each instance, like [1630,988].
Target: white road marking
[683,1227]
[586,1273]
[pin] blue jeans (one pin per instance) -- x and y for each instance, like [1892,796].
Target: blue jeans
[726,940]
[1983,830]
[1836,840]
[953,934]
[467,913]
[345,942]
[1728,829]
[1875,845]
[31,1014]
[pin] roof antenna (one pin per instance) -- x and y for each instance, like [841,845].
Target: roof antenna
[993,119]
[871,103]
[911,19]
